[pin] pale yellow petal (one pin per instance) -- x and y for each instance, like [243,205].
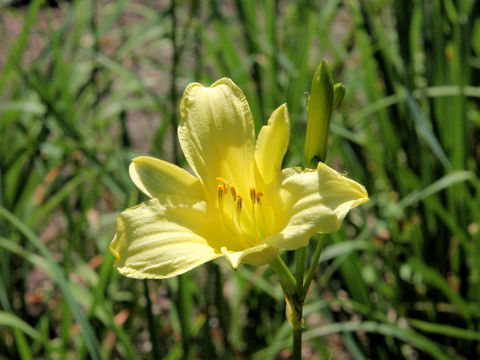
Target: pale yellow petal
[160,238]
[272,143]
[155,177]
[257,255]
[313,201]
[217,135]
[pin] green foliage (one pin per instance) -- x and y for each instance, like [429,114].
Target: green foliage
[86,86]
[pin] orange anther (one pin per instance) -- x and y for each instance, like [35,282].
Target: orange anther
[224,183]
[253,194]
[234,192]
[239,204]
[259,196]
[220,192]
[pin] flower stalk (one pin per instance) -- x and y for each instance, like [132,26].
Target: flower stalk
[292,297]
[313,265]
[324,99]
[295,290]
[293,300]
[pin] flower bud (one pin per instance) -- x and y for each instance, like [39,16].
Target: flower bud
[319,112]
[338,95]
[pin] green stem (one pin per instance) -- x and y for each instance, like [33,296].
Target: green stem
[300,269]
[297,344]
[286,278]
[151,323]
[313,266]
[298,305]
[293,299]
[184,315]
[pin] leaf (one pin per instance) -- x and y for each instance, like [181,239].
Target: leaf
[11,320]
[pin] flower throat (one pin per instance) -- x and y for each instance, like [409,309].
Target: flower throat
[245,220]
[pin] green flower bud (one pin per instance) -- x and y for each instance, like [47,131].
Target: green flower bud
[319,111]
[338,95]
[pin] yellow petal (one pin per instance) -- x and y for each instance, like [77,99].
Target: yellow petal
[155,177]
[217,135]
[314,201]
[272,144]
[257,255]
[160,238]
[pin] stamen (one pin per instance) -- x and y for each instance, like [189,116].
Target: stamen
[236,211]
[220,193]
[224,183]
[234,192]
[259,197]
[263,223]
[222,180]
[250,227]
[239,204]
[253,195]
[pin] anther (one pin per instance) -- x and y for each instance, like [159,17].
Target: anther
[258,197]
[234,192]
[253,195]
[224,183]
[239,204]
[220,192]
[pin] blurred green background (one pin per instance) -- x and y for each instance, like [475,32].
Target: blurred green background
[87,85]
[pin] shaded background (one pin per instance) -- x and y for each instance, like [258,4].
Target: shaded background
[86,85]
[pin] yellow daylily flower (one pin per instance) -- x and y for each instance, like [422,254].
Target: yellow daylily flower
[239,204]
